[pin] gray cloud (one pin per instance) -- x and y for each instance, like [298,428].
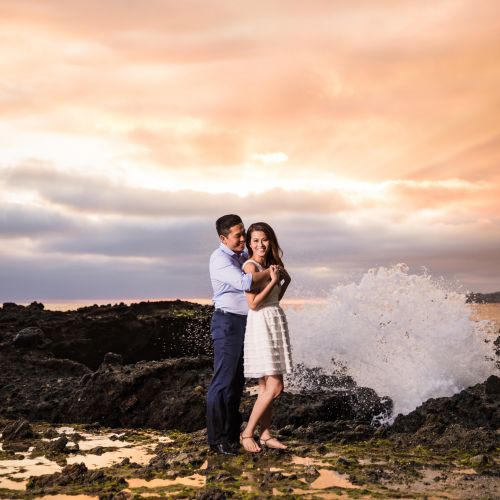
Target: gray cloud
[53,278]
[21,220]
[168,257]
[92,195]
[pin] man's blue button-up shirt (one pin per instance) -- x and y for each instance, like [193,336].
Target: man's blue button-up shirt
[229,281]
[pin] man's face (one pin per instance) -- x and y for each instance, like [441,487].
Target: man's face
[235,240]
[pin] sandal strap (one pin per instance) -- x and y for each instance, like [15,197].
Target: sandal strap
[268,439]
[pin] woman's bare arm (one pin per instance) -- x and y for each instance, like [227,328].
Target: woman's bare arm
[284,286]
[255,297]
[259,278]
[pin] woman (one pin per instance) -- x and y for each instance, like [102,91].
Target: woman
[267,354]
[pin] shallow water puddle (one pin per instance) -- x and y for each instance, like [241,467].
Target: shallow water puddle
[66,497]
[23,469]
[332,479]
[162,439]
[196,481]
[248,488]
[296,460]
[140,455]
[7,483]
[93,441]
[315,494]
[27,467]
[65,430]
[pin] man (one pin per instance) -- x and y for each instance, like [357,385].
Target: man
[228,330]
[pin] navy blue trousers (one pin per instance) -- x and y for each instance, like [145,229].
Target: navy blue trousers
[224,394]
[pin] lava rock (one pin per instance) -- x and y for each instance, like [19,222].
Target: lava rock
[29,337]
[18,431]
[74,474]
[111,358]
[492,385]
[468,420]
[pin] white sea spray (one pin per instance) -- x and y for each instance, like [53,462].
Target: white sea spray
[408,336]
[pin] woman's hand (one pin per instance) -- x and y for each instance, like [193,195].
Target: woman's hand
[275,273]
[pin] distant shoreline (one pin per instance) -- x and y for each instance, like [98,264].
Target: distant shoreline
[70,305]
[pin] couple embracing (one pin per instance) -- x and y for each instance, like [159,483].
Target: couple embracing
[249,332]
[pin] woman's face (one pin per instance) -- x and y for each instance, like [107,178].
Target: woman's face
[259,243]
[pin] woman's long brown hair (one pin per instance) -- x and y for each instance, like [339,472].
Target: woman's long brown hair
[275,254]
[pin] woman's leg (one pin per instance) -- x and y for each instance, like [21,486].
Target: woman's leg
[265,420]
[267,394]
[265,423]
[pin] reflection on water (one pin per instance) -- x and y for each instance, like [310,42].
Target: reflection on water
[308,461]
[92,441]
[196,481]
[140,454]
[316,494]
[67,497]
[22,469]
[7,483]
[27,467]
[332,479]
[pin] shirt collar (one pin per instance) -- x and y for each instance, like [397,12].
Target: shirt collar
[227,250]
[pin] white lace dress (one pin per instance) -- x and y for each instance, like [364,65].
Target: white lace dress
[267,348]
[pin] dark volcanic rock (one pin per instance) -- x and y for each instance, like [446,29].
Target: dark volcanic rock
[359,404]
[52,447]
[168,394]
[112,358]
[29,337]
[17,431]
[97,365]
[469,419]
[74,474]
[143,331]
[492,386]
[484,298]
[35,386]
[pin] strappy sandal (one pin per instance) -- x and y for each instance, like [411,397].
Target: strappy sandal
[242,437]
[263,442]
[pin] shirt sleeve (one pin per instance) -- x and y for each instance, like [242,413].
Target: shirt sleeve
[224,269]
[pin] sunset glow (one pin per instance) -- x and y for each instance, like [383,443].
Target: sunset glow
[366,132]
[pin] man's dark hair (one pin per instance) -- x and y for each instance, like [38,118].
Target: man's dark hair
[226,222]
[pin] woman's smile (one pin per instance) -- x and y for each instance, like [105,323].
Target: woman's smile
[259,243]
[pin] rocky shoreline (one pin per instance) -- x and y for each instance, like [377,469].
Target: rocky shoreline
[146,367]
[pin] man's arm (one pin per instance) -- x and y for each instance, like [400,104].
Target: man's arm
[223,269]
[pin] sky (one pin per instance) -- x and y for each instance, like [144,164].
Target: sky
[366,133]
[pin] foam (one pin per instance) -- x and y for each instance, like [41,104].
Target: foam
[408,336]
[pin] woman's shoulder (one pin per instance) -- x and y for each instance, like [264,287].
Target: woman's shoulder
[252,264]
